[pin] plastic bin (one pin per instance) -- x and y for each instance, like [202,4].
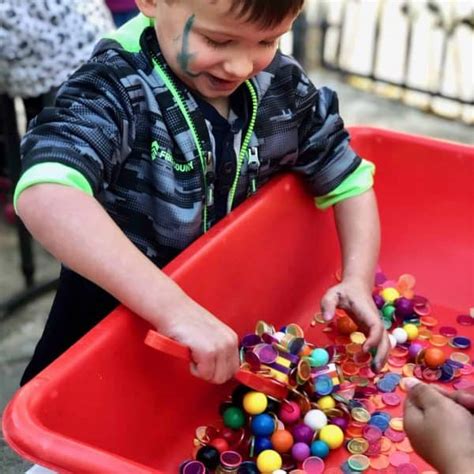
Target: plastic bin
[112,404]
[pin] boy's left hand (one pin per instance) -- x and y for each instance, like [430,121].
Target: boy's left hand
[355,297]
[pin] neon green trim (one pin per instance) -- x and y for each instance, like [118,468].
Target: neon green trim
[184,111]
[128,35]
[244,149]
[359,181]
[51,173]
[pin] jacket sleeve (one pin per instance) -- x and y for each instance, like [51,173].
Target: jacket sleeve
[84,139]
[330,166]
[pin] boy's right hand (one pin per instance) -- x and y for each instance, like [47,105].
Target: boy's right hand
[213,344]
[88,241]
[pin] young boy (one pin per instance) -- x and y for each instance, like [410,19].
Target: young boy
[177,118]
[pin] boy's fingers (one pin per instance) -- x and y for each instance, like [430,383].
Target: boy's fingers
[205,366]
[329,304]
[375,329]
[226,366]
[222,373]
[382,351]
[193,369]
[227,358]
[377,336]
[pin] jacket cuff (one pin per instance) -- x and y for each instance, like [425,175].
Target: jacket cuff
[359,181]
[55,173]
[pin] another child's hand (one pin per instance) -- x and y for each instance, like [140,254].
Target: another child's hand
[440,430]
[464,398]
[213,344]
[356,298]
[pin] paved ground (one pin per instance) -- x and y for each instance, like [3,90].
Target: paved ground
[19,333]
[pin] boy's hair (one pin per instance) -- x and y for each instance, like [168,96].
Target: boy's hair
[265,13]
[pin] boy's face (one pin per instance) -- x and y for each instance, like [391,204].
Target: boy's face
[210,50]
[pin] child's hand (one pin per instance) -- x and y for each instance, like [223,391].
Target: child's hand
[356,298]
[440,430]
[464,398]
[214,345]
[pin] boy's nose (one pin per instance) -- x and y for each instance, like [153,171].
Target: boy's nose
[238,68]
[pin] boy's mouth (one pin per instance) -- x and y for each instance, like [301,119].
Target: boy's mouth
[222,84]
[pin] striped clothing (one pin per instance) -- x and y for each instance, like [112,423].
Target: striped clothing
[119,133]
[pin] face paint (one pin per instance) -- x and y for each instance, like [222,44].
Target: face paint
[188,33]
[184,57]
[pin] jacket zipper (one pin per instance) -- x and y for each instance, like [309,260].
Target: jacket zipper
[187,116]
[206,161]
[244,151]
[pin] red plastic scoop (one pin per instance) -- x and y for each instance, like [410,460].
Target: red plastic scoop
[267,385]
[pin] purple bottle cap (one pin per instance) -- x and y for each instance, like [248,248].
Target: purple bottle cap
[372,433]
[231,459]
[250,340]
[192,467]
[448,331]
[465,320]
[266,353]
[252,360]
[419,300]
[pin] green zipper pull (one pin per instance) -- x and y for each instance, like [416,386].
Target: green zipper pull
[210,179]
[253,167]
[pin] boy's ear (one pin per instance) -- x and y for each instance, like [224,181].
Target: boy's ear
[147,7]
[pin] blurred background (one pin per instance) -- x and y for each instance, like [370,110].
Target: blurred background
[406,65]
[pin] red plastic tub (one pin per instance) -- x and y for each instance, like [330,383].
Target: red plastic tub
[113,404]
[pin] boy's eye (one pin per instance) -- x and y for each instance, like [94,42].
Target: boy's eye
[222,44]
[216,44]
[268,44]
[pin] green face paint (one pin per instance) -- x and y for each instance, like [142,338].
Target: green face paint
[184,56]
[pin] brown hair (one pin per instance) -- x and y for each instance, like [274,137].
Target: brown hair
[265,13]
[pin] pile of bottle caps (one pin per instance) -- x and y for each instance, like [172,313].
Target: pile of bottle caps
[304,402]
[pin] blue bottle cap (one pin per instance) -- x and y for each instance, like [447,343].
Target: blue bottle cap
[323,385]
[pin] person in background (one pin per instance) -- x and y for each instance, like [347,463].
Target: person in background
[122,10]
[440,426]
[43,42]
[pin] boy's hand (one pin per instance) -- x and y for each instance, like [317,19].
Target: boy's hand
[214,345]
[356,298]
[440,430]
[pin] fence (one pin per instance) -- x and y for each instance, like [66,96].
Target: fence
[418,51]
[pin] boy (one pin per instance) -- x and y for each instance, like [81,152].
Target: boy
[177,118]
